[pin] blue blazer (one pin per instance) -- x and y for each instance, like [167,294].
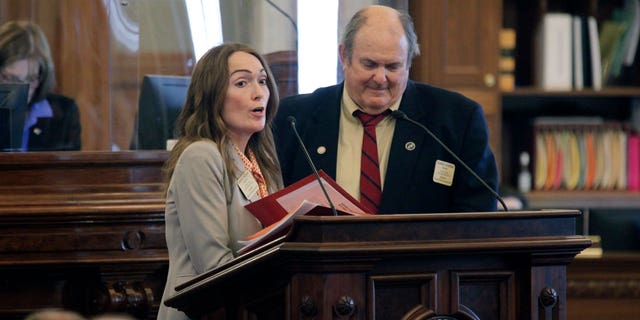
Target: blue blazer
[409,187]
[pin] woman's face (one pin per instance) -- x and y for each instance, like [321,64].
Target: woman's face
[245,104]
[23,71]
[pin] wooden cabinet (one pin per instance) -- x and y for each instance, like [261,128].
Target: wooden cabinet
[82,231]
[458,42]
[459,51]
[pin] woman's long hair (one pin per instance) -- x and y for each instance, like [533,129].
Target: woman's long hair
[201,115]
[25,40]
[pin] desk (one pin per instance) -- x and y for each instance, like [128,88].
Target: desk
[82,231]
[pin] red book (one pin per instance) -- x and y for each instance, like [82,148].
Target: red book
[591,160]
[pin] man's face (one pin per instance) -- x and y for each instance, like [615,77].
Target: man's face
[377,73]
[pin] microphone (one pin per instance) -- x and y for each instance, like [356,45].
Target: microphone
[292,122]
[403,116]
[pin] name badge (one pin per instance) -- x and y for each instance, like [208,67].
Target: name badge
[248,185]
[443,173]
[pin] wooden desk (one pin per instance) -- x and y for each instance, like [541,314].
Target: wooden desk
[82,231]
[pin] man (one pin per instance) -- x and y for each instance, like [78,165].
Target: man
[416,174]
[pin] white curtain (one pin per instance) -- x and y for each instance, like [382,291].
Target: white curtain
[272,26]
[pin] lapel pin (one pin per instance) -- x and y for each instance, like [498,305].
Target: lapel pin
[410,146]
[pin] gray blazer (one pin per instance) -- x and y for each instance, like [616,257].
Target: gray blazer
[205,217]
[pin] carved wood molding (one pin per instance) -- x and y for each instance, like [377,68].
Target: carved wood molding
[124,297]
[82,231]
[604,288]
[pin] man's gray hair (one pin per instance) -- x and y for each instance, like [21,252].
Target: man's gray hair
[360,18]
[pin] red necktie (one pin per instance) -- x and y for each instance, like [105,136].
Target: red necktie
[370,186]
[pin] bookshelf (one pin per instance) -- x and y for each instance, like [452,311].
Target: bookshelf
[522,106]
[585,199]
[615,101]
[447,28]
[456,57]
[606,286]
[609,91]
[612,213]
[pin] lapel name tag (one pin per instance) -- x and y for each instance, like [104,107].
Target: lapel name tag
[443,173]
[248,185]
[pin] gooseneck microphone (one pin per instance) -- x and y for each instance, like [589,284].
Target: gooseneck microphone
[292,122]
[403,116]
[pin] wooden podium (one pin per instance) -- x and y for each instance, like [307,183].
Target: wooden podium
[422,266]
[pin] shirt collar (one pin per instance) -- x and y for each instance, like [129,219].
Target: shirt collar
[41,109]
[350,106]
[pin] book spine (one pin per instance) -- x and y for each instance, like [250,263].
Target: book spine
[596,61]
[579,154]
[507,61]
[578,68]
[633,162]
[554,56]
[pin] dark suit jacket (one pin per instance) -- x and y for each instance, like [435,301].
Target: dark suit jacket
[60,132]
[408,188]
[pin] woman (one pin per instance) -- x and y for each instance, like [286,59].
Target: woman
[52,121]
[224,158]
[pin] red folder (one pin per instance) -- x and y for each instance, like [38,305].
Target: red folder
[305,197]
[276,206]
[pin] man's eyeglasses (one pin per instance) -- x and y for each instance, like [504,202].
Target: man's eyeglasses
[30,79]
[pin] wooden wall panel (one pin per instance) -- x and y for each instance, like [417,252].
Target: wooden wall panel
[82,47]
[459,51]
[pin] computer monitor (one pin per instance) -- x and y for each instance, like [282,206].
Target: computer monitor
[13,105]
[161,99]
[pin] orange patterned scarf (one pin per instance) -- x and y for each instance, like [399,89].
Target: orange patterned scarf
[251,164]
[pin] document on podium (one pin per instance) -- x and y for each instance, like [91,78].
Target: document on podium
[305,197]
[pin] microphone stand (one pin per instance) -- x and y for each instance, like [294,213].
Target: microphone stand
[292,122]
[401,115]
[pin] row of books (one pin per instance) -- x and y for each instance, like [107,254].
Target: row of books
[585,154]
[576,52]
[567,53]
